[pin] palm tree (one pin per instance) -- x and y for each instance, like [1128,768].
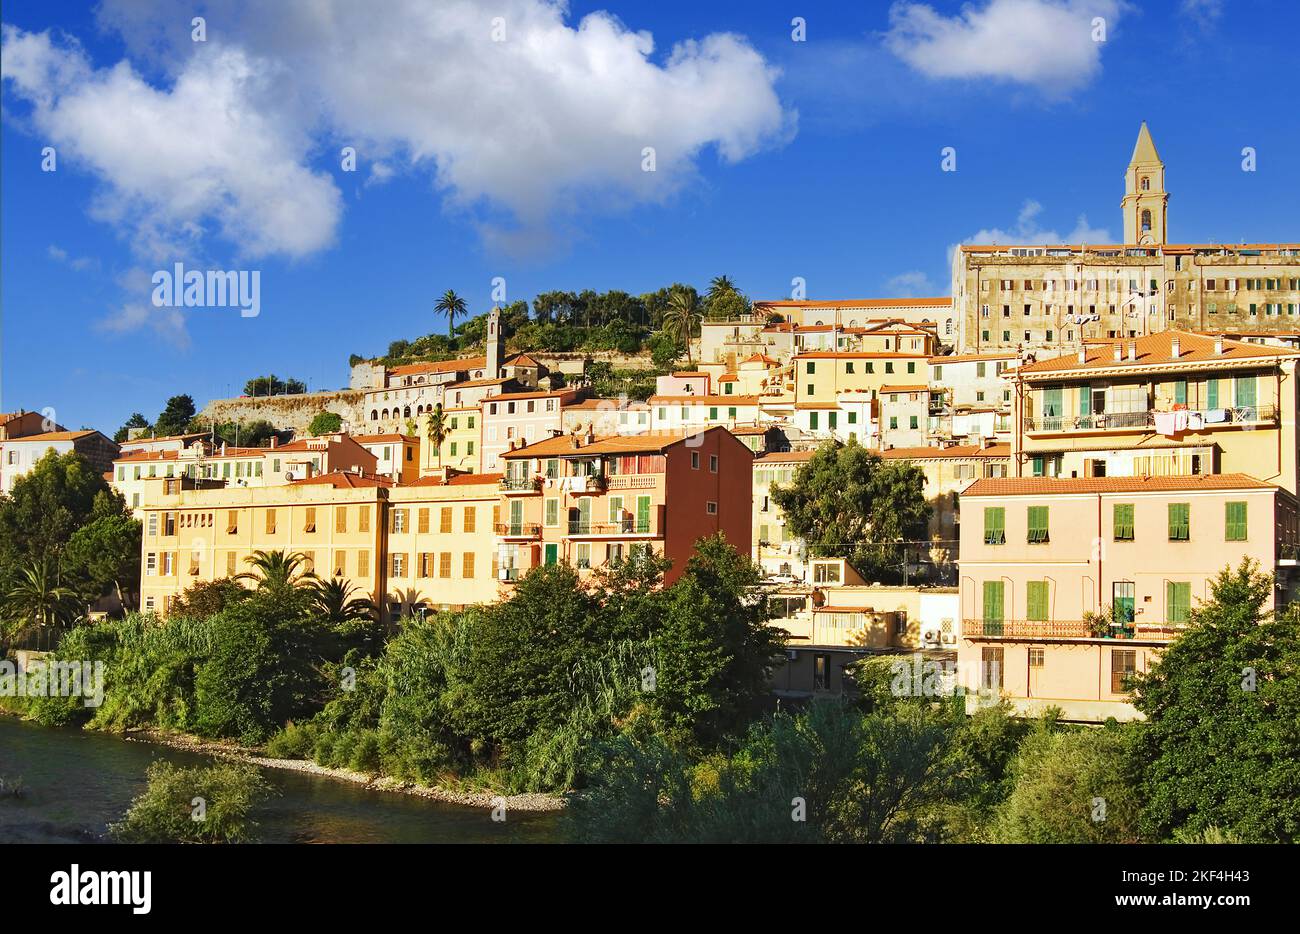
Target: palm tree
[453,305]
[680,319]
[719,286]
[278,569]
[437,430]
[34,598]
[336,601]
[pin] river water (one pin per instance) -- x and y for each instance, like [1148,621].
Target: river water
[76,782]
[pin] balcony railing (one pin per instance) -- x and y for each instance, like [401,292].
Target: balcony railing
[1062,629]
[520,484]
[624,527]
[518,529]
[1119,421]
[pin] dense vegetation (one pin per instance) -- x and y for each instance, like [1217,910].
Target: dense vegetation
[66,539]
[203,804]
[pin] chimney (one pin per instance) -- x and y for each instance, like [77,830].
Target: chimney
[1083,355]
[275,441]
[223,449]
[1132,350]
[1218,346]
[1118,352]
[1174,348]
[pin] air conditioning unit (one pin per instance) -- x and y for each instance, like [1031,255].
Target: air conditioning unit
[930,637]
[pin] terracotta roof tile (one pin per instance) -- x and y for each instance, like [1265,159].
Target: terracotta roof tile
[1156,350]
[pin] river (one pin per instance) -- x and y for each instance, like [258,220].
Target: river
[76,782]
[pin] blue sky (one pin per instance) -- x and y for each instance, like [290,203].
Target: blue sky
[776,159]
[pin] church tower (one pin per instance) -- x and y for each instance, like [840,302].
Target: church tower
[1145,199]
[495,343]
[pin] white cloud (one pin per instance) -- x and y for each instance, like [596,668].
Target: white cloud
[1028,231]
[77,263]
[1205,12]
[914,284]
[168,324]
[1045,43]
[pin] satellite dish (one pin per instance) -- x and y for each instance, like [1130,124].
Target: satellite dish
[288,475]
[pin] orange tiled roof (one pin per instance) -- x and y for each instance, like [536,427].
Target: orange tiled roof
[916,388]
[345,480]
[389,438]
[858,355]
[1156,350]
[565,445]
[1056,486]
[460,479]
[54,436]
[784,457]
[530,394]
[709,400]
[440,366]
[971,358]
[471,383]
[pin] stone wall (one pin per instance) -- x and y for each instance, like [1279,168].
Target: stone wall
[285,412]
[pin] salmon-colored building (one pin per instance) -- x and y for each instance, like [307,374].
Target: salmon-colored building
[587,500]
[1039,556]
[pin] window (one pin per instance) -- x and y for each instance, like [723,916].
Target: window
[1123,666]
[399,520]
[1037,525]
[230,564]
[995,525]
[444,564]
[1036,601]
[582,556]
[169,523]
[398,565]
[713,463]
[471,519]
[1178,601]
[695,460]
[1035,658]
[810,368]
[912,422]
[153,524]
[232,522]
[1234,522]
[363,519]
[1123,522]
[1180,529]
[444,522]
[712,508]
[552,514]
[309,521]
[422,520]
[151,564]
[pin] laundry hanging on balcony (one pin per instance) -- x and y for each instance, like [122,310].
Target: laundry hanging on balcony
[1171,423]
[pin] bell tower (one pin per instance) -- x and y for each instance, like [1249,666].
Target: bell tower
[1145,199]
[495,343]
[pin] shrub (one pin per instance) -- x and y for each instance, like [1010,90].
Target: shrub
[206,804]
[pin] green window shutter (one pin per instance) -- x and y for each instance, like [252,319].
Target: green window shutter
[1178,601]
[995,525]
[1245,391]
[643,514]
[1235,522]
[1212,394]
[713,413]
[1052,402]
[1037,524]
[762,534]
[1180,527]
[831,420]
[552,511]
[812,421]
[1180,392]
[1123,522]
[615,508]
[1085,399]
[993,608]
[1036,601]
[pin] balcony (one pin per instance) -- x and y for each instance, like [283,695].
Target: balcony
[1062,629]
[510,575]
[521,530]
[1146,420]
[627,526]
[521,484]
[589,483]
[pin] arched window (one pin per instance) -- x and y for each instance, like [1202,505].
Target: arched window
[374,415]
[406,413]
[385,414]
[1146,183]
[1146,220]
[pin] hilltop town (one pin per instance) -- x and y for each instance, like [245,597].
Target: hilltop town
[1100,430]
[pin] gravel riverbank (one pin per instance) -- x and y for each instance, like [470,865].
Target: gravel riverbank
[482,799]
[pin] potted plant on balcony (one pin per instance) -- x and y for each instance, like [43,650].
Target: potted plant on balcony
[1099,624]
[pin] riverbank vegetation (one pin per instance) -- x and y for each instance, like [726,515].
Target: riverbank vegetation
[201,804]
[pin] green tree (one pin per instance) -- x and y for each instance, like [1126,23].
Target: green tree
[714,645]
[272,385]
[103,555]
[724,301]
[264,668]
[176,417]
[165,811]
[336,602]
[278,569]
[453,306]
[1072,786]
[135,421]
[681,319]
[437,430]
[325,423]
[1219,744]
[208,598]
[46,506]
[35,600]
[849,502]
